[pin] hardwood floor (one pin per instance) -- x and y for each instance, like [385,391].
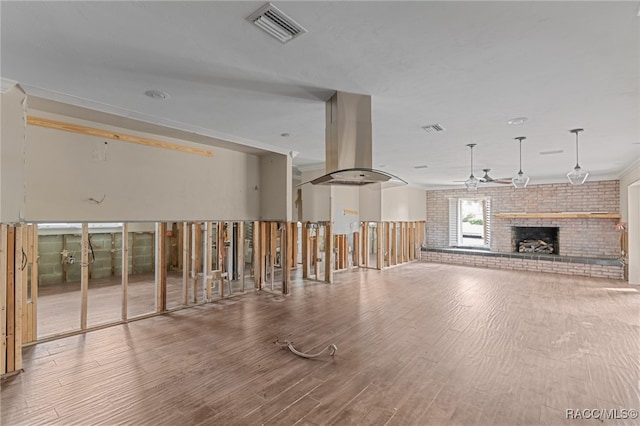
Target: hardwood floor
[59,304]
[421,344]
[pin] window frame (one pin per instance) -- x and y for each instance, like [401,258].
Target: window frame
[455,205]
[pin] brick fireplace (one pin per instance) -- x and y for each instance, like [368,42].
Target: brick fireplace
[585,245]
[535,239]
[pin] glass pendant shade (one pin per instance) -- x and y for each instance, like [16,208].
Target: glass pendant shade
[472,183]
[577,176]
[520,180]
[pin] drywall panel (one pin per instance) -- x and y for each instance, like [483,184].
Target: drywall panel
[316,199]
[275,187]
[345,202]
[75,177]
[403,203]
[633,194]
[371,203]
[632,175]
[12,146]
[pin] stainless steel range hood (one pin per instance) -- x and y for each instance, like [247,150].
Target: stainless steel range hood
[348,143]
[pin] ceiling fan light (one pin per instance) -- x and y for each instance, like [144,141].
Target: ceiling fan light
[520,180]
[472,183]
[577,176]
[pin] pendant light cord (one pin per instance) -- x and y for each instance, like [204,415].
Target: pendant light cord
[577,162]
[520,139]
[471,161]
[520,171]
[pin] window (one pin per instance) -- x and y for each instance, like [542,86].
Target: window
[470,222]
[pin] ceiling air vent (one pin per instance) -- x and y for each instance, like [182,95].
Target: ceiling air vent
[275,23]
[433,128]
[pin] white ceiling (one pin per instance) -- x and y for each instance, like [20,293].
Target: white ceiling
[469,66]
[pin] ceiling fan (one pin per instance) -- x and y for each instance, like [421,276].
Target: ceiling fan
[488,179]
[472,182]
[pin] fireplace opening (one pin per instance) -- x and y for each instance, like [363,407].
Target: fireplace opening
[535,239]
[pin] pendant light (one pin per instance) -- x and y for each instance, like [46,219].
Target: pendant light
[520,180]
[577,176]
[472,182]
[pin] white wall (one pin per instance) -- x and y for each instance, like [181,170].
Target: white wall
[316,199]
[631,175]
[345,202]
[62,170]
[12,155]
[630,211]
[371,203]
[275,187]
[634,233]
[403,203]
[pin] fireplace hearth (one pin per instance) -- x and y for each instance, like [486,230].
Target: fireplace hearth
[535,239]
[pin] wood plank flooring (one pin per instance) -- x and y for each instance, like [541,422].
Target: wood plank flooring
[421,344]
[59,304]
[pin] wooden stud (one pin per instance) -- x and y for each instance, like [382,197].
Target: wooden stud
[125,269]
[207,258]
[161,266]
[394,243]
[3,299]
[180,242]
[305,250]
[365,244]
[273,246]
[387,243]
[133,253]
[65,266]
[406,241]
[123,137]
[328,253]
[379,245]
[240,247]
[294,246]
[184,260]
[356,249]
[113,254]
[84,276]
[413,241]
[257,254]
[195,254]
[11,299]
[19,296]
[262,254]
[222,257]
[153,250]
[34,284]
[26,284]
[285,258]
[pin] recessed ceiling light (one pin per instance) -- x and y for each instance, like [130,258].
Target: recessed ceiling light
[286,135]
[424,166]
[517,120]
[557,151]
[157,94]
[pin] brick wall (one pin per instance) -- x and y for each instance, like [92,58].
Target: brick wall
[577,237]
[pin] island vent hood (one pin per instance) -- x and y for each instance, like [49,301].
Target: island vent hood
[348,143]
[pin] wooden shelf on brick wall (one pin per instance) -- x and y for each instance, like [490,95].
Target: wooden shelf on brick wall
[565,215]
